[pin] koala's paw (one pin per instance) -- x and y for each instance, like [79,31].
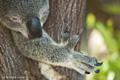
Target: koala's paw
[78,61]
[84,64]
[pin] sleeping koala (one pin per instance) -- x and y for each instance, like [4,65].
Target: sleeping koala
[25,19]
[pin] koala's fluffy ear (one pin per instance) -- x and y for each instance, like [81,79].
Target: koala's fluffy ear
[44,11]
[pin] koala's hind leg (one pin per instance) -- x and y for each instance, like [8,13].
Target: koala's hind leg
[50,73]
[28,76]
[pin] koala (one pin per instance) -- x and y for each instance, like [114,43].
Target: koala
[25,19]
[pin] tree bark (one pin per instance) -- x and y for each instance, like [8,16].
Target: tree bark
[14,66]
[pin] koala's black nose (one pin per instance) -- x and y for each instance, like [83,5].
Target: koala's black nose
[34,28]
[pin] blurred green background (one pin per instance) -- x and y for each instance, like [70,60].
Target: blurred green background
[101,37]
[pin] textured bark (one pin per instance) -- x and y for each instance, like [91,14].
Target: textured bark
[10,63]
[62,13]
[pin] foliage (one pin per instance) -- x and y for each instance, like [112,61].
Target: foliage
[112,9]
[111,67]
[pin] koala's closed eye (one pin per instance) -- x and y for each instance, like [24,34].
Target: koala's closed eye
[16,19]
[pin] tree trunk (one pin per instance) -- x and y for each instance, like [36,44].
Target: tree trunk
[14,66]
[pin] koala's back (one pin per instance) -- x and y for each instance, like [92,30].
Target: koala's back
[20,6]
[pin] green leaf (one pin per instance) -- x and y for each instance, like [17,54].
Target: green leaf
[109,40]
[113,9]
[90,20]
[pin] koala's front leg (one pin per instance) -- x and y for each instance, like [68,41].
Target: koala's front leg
[39,49]
[44,50]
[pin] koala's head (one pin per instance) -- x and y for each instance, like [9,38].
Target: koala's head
[25,16]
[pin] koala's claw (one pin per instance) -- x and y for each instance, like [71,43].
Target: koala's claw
[65,35]
[86,72]
[78,33]
[98,64]
[66,30]
[97,71]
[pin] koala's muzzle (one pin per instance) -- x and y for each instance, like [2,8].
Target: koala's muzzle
[34,28]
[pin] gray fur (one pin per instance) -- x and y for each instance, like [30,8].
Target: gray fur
[42,49]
